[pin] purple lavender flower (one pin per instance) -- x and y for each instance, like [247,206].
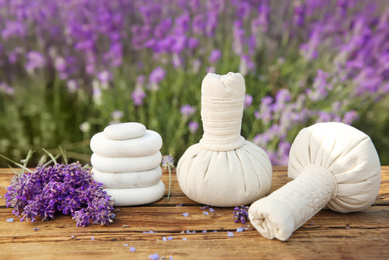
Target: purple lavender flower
[104,76]
[193,127]
[69,189]
[7,89]
[241,214]
[154,256]
[187,110]
[248,100]
[35,60]
[137,96]
[167,161]
[214,56]
[117,115]
[156,76]
[350,116]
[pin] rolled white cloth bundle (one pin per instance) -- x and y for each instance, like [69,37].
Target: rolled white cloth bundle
[333,165]
[224,169]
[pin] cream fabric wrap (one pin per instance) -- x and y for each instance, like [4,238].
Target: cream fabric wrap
[334,165]
[224,169]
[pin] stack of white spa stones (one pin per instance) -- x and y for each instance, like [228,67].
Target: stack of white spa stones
[126,159]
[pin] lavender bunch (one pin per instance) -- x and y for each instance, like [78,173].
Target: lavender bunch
[63,188]
[241,214]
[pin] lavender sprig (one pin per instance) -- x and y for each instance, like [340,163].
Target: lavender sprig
[63,188]
[241,214]
[168,163]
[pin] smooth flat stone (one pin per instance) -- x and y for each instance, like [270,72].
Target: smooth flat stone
[149,143]
[128,179]
[137,196]
[124,131]
[126,164]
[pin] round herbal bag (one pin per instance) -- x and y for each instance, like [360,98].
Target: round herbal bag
[224,169]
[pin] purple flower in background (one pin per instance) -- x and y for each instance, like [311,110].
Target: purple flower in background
[35,60]
[349,117]
[117,115]
[7,89]
[282,96]
[246,65]
[193,126]
[214,56]
[137,96]
[248,100]
[105,76]
[261,23]
[198,24]
[193,43]
[13,28]
[60,64]
[187,110]
[156,76]
[299,14]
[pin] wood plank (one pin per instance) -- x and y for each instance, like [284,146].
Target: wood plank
[361,235]
[279,179]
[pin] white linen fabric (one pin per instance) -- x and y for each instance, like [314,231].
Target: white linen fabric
[224,169]
[333,165]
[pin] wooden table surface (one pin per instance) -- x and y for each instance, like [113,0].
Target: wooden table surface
[362,235]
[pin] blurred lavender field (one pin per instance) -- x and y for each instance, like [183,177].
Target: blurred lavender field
[69,68]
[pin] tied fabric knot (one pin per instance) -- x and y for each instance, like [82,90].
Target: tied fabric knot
[222,121]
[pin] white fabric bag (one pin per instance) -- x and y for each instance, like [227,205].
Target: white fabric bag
[224,169]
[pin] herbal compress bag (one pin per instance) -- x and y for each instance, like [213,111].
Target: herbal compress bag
[224,169]
[333,165]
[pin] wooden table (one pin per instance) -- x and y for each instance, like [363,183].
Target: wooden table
[362,235]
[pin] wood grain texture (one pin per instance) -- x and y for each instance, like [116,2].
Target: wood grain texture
[361,235]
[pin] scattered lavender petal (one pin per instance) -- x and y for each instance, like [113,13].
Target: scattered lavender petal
[164,239]
[10,220]
[132,249]
[241,229]
[72,236]
[230,234]
[92,238]
[204,231]
[184,239]
[154,256]
[180,205]
[35,229]
[125,244]
[211,210]
[170,238]
[204,207]
[125,225]
[185,214]
[206,213]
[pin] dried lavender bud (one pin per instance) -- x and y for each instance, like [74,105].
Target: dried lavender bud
[241,214]
[64,188]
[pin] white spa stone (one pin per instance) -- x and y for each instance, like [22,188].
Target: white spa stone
[137,196]
[149,143]
[126,164]
[128,179]
[124,131]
